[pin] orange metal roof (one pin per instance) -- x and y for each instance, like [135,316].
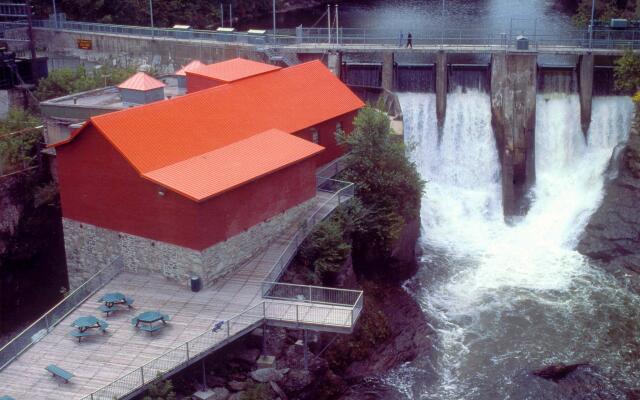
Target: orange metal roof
[141,81]
[158,135]
[228,167]
[233,70]
[192,66]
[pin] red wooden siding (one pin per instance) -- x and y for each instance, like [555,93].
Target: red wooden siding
[98,186]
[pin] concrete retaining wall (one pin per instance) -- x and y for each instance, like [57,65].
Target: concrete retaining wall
[164,55]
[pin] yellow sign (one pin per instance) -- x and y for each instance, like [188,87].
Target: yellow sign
[85,44]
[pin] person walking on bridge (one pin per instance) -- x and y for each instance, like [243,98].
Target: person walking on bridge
[409,41]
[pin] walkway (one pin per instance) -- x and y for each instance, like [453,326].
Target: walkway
[125,359]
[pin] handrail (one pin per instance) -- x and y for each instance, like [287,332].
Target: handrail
[43,325]
[345,193]
[209,340]
[345,304]
[603,38]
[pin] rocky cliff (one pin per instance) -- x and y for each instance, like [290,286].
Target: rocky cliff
[612,237]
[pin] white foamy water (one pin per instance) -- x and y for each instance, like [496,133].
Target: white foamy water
[506,299]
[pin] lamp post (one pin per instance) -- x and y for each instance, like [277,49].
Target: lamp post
[55,13]
[593,11]
[151,14]
[274,21]
[442,28]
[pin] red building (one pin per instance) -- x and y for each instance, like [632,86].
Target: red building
[184,178]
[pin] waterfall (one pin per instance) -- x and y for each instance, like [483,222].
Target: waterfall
[473,78]
[507,299]
[557,81]
[415,78]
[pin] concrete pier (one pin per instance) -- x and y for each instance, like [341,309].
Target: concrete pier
[513,110]
[387,71]
[441,87]
[334,62]
[585,79]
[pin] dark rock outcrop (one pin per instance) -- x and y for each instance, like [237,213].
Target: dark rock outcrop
[612,237]
[556,372]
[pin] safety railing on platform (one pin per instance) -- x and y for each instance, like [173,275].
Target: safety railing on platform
[603,38]
[343,316]
[309,294]
[341,192]
[331,169]
[51,318]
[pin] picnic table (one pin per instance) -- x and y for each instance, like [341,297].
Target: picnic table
[6,398]
[85,323]
[144,321]
[112,300]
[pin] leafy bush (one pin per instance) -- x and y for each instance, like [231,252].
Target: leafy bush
[388,187]
[627,72]
[18,142]
[160,390]
[372,330]
[64,81]
[325,250]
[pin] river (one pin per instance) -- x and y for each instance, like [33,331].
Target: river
[421,16]
[507,299]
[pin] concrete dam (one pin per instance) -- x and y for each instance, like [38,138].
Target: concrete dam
[512,81]
[511,78]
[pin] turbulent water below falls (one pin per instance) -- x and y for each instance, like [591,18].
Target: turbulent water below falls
[503,299]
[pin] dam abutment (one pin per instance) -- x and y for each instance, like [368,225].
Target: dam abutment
[441,86]
[585,67]
[513,112]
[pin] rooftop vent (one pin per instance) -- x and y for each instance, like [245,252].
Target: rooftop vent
[141,89]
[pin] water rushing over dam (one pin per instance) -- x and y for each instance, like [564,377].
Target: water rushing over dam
[507,299]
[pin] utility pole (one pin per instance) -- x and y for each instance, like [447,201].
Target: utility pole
[222,15]
[55,14]
[151,14]
[329,23]
[32,46]
[593,12]
[230,17]
[337,27]
[274,22]
[442,28]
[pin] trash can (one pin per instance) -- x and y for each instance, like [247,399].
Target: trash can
[196,283]
[522,43]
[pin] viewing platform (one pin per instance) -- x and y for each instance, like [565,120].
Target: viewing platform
[120,363]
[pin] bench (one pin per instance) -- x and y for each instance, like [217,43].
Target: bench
[150,329]
[59,372]
[105,309]
[80,335]
[128,301]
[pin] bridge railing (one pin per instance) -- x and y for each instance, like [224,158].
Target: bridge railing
[341,192]
[602,37]
[41,327]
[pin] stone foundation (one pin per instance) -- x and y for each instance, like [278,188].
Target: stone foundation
[90,248]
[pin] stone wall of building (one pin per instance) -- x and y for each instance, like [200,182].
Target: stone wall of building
[224,257]
[89,248]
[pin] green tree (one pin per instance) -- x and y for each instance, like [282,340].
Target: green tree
[325,250]
[64,81]
[388,187]
[627,72]
[18,141]
[161,390]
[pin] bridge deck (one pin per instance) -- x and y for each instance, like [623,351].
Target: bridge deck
[101,359]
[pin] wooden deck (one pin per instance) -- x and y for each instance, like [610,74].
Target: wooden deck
[101,359]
